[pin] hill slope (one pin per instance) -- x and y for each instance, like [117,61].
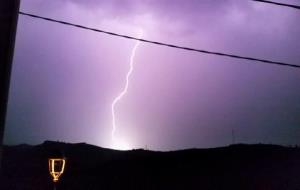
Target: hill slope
[257,167]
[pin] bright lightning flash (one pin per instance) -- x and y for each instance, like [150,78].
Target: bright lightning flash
[116,144]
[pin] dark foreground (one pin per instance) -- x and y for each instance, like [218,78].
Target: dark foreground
[243,167]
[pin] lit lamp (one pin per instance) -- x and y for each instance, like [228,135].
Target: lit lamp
[56,168]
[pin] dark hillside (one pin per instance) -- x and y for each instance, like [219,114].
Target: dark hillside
[255,167]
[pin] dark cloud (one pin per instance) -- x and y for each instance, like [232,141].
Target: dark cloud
[64,78]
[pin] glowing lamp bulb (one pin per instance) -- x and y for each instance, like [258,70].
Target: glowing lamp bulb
[56,167]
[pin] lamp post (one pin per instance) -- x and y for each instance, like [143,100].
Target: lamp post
[56,169]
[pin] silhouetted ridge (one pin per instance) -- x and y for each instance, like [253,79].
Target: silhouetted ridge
[239,166]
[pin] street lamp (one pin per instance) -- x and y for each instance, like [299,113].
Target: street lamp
[56,168]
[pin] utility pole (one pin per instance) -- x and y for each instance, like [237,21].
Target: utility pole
[9,10]
[233,136]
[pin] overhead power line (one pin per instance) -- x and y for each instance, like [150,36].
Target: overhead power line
[161,43]
[279,4]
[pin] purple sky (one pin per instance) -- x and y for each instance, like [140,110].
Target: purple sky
[64,79]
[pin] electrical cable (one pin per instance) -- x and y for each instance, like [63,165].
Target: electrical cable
[279,4]
[161,43]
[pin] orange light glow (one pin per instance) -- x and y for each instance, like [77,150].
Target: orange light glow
[56,167]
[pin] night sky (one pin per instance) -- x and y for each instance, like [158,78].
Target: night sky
[64,79]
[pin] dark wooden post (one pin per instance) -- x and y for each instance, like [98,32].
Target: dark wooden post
[9,10]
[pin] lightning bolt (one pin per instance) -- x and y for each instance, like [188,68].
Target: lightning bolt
[125,89]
